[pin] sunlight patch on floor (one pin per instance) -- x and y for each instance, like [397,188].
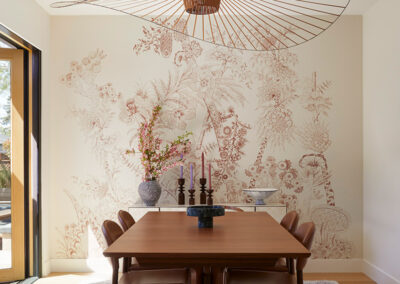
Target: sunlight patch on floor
[76,279]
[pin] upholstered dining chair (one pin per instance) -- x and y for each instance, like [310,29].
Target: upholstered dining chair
[125,219]
[289,222]
[304,234]
[112,231]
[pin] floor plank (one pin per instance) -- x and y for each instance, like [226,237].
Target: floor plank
[342,278]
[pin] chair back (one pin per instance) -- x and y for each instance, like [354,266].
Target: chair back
[111,231]
[125,219]
[304,234]
[290,221]
[233,208]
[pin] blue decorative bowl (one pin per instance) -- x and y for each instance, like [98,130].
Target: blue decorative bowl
[206,214]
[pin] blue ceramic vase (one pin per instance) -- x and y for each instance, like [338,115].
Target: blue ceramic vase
[150,192]
[205,214]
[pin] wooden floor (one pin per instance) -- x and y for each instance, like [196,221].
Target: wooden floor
[342,278]
[72,278]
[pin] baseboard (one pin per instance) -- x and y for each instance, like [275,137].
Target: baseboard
[102,265]
[46,267]
[377,274]
[334,265]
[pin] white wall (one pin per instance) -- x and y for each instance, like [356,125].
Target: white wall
[27,19]
[381,141]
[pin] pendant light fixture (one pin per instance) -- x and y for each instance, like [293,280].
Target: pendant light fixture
[243,24]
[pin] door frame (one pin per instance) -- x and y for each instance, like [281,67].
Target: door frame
[32,151]
[17,269]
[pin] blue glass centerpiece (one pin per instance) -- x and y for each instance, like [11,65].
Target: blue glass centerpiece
[206,214]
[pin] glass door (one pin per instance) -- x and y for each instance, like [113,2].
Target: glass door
[12,246]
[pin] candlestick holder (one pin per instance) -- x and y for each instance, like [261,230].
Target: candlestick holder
[191,196]
[210,198]
[203,195]
[181,194]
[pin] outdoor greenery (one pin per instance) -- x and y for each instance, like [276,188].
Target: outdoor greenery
[5,124]
[5,119]
[5,176]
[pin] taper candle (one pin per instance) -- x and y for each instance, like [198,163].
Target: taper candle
[209,176]
[181,166]
[202,165]
[191,176]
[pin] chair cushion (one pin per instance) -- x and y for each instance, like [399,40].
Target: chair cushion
[255,277]
[170,276]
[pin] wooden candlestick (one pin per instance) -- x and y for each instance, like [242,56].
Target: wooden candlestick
[181,195]
[191,196]
[203,195]
[209,198]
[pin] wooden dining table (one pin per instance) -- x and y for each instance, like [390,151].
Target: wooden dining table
[238,239]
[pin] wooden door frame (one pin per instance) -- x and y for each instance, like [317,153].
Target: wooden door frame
[17,269]
[32,150]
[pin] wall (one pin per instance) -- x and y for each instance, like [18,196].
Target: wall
[289,119]
[27,19]
[381,141]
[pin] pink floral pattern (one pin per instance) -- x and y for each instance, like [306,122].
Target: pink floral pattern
[209,88]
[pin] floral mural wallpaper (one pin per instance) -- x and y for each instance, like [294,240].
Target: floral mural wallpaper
[259,121]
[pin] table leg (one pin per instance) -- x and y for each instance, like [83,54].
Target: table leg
[299,277]
[115,267]
[197,275]
[218,274]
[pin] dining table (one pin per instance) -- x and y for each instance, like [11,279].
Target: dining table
[238,239]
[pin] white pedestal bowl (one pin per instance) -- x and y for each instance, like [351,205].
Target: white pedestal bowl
[259,194]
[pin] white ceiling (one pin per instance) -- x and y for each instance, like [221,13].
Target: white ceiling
[356,7]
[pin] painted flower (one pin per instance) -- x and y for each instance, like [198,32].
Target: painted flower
[278,125]
[107,91]
[128,110]
[191,49]
[178,117]
[166,44]
[205,81]
[315,137]
[179,58]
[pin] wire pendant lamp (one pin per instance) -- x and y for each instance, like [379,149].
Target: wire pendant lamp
[243,24]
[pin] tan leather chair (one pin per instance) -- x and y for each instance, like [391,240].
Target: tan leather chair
[125,219]
[289,222]
[304,234]
[112,231]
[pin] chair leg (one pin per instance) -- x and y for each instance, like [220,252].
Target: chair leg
[291,265]
[126,263]
[299,276]
[115,267]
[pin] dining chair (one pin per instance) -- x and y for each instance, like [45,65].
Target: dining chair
[304,234]
[289,222]
[125,219]
[112,231]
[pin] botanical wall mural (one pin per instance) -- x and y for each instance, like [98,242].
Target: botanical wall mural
[258,121]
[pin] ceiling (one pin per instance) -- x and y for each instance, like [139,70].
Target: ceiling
[356,7]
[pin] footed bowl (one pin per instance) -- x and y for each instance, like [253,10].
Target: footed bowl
[259,194]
